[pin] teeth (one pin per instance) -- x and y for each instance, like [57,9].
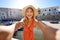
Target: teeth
[29,15]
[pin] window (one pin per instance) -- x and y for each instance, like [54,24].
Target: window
[10,14]
[54,8]
[2,13]
[1,17]
[43,14]
[54,13]
[49,9]
[59,12]
[4,17]
[45,9]
[49,13]
[39,11]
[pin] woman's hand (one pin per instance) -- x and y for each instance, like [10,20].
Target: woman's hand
[17,26]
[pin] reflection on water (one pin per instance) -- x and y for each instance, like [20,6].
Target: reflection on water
[38,35]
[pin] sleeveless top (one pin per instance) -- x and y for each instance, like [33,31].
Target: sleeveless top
[28,32]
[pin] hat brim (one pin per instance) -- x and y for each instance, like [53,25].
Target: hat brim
[34,9]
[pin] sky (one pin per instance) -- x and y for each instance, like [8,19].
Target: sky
[19,4]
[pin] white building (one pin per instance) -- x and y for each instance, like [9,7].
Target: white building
[16,14]
[48,12]
[10,13]
[3,13]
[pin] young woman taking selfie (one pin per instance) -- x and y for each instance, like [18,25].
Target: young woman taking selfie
[29,12]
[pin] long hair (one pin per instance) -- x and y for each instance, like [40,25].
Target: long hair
[26,19]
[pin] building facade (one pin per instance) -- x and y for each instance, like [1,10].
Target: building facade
[10,13]
[3,13]
[16,14]
[48,13]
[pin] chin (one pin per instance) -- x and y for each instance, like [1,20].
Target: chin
[29,17]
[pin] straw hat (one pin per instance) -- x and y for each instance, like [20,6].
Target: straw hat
[35,10]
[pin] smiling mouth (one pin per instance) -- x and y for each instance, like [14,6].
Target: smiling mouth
[29,15]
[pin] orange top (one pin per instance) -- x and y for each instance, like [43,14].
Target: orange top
[28,33]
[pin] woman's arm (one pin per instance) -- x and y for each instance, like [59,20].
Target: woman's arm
[43,27]
[17,26]
[49,33]
[39,25]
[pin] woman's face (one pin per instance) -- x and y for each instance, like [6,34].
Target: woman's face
[29,13]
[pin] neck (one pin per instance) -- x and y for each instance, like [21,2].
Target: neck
[30,19]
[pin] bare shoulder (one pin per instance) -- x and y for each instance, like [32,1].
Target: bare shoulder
[19,23]
[36,22]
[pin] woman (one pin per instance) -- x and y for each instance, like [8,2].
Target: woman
[29,13]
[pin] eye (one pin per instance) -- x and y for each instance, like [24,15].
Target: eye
[31,11]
